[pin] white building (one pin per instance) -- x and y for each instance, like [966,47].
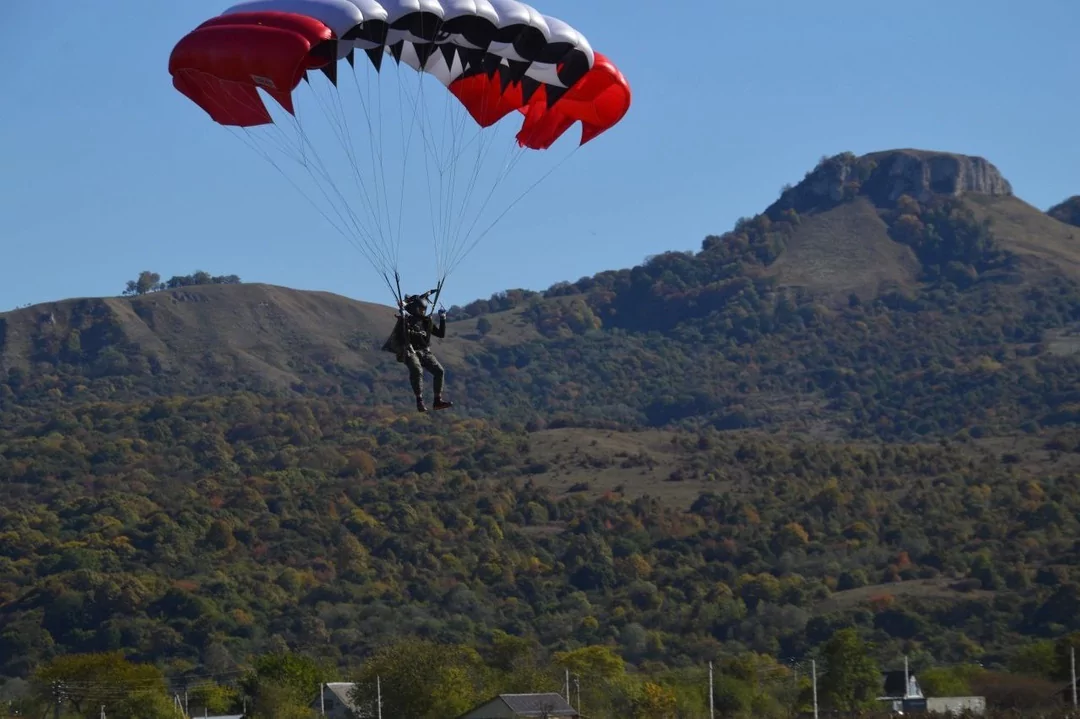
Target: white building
[334,701]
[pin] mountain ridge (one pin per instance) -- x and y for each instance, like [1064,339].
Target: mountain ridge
[858,253]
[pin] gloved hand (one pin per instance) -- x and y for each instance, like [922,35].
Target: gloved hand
[442,314]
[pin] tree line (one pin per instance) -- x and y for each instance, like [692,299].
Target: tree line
[148,281]
[424,678]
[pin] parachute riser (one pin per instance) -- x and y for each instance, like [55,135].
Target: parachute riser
[401,311]
[435,300]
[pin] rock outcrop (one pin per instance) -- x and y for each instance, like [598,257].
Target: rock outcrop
[884,177]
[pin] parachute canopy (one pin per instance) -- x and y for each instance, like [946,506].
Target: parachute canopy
[494,56]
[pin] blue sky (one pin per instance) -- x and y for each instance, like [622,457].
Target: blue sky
[107,170]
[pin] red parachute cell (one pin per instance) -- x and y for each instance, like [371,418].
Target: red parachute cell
[598,101]
[485,99]
[219,64]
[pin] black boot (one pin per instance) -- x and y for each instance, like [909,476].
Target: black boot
[441,403]
[420,406]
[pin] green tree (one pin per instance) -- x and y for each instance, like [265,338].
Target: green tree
[952,681]
[517,666]
[1039,659]
[423,679]
[283,682]
[732,696]
[853,679]
[602,676]
[214,698]
[147,282]
[274,701]
[89,681]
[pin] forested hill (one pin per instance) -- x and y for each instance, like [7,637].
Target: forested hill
[856,408]
[901,295]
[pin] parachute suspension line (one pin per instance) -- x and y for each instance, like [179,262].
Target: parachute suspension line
[451,165]
[380,244]
[486,142]
[336,115]
[375,198]
[443,168]
[458,241]
[378,206]
[341,117]
[326,175]
[423,136]
[317,170]
[344,138]
[511,206]
[281,141]
[253,145]
[375,152]
[427,183]
[405,160]
[442,219]
[445,256]
[343,131]
[458,238]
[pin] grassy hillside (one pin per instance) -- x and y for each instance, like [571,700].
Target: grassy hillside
[858,407]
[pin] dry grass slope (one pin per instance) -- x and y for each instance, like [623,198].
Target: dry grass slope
[640,463]
[240,329]
[1029,232]
[845,250]
[937,588]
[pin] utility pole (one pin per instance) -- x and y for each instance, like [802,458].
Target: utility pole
[1072,669]
[813,672]
[712,705]
[577,683]
[567,686]
[322,699]
[378,695]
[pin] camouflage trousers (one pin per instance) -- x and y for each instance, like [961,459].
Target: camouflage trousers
[417,362]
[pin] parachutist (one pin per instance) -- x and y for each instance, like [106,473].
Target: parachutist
[411,343]
[229,64]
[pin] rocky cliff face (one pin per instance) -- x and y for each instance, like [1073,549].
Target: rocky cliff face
[885,176]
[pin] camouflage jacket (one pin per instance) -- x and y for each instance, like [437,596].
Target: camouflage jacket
[418,330]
